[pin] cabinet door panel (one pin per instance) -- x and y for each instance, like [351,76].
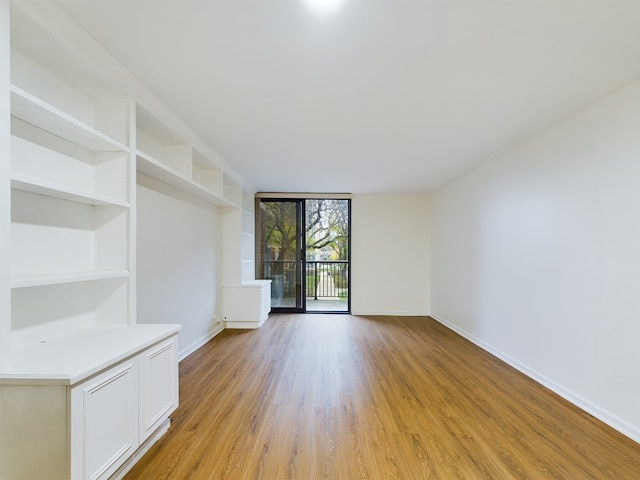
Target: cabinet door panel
[108,435]
[158,386]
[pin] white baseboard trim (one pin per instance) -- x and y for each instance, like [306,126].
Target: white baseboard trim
[613,421]
[184,353]
[389,314]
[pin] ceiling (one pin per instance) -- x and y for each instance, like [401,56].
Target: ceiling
[376,96]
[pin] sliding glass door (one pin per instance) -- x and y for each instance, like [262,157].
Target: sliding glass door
[304,249]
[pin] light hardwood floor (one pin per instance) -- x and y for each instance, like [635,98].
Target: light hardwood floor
[345,397]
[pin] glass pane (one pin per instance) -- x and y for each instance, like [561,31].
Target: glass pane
[280,255]
[327,255]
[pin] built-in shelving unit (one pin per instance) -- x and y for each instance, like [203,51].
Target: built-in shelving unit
[247,301]
[248,264]
[84,387]
[164,155]
[73,345]
[70,191]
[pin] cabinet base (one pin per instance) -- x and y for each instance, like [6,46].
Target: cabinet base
[245,325]
[144,448]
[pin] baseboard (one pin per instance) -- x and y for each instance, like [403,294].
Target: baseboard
[245,325]
[139,453]
[603,415]
[184,353]
[388,314]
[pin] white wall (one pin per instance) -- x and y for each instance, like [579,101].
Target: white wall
[178,261]
[5,212]
[390,255]
[536,256]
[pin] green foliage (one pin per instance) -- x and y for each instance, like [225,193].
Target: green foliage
[326,226]
[312,281]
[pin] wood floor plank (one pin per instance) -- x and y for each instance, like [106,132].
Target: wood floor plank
[347,397]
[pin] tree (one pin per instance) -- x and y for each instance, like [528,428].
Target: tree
[279,232]
[326,225]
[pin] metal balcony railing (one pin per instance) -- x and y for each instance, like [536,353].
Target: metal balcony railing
[324,279]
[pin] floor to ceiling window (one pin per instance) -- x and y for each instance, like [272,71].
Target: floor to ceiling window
[303,247]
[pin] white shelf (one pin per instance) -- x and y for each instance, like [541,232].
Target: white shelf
[153,168]
[30,184]
[39,113]
[232,192]
[24,281]
[206,174]
[54,236]
[71,358]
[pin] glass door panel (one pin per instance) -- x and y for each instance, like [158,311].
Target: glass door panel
[327,235]
[280,253]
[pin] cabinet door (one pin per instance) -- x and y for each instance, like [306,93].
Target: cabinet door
[158,385]
[104,419]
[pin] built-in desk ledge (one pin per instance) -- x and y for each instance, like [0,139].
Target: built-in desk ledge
[76,356]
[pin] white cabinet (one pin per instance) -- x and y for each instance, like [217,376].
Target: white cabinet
[247,305]
[246,301]
[83,417]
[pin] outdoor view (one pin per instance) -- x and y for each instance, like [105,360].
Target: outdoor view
[305,249]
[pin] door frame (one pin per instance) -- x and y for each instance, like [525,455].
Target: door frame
[300,247]
[299,287]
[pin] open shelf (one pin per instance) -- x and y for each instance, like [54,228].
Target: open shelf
[26,183]
[25,281]
[54,236]
[39,113]
[164,155]
[155,169]
[232,191]
[154,140]
[44,163]
[206,174]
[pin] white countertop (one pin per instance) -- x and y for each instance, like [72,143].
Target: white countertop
[73,357]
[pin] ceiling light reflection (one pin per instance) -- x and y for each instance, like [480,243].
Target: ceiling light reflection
[324,6]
